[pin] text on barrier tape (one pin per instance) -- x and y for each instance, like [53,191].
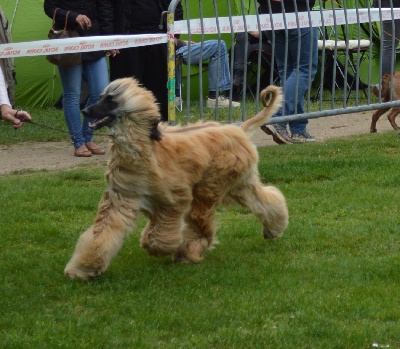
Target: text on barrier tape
[80,44]
[289,21]
[197,26]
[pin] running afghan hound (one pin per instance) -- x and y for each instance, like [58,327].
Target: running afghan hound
[175,176]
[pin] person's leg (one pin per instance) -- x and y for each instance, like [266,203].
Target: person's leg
[239,61]
[305,64]
[279,131]
[96,73]
[71,83]
[280,38]
[303,58]
[390,41]
[218,68]
[239,50]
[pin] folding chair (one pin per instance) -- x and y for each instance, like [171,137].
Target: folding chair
[266,68]
[351,50]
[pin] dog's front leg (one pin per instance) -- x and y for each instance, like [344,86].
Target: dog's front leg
[162,235]
[101,242]
[375,118]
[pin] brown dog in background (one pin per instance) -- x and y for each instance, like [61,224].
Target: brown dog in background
[389,82]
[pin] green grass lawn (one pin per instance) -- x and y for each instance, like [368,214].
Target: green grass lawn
[331,281]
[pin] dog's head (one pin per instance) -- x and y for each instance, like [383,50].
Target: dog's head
[125,104]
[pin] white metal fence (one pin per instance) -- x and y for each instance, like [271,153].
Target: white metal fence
[349,55]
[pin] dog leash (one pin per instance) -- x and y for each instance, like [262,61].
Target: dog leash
[58,129]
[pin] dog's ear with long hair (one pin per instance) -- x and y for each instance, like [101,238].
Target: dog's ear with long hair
[155,133]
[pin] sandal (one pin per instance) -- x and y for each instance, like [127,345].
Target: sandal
[94,149]
[82,152]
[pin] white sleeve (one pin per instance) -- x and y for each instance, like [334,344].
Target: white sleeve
[3,89]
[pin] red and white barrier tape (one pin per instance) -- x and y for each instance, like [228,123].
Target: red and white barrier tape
[277,21]
[207,25]
[81,44]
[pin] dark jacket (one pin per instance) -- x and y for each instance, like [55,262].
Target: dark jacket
[387,3]
[289,5]
[76,8]
[134,17]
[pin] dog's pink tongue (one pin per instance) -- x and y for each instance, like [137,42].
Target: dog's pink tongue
[98,122]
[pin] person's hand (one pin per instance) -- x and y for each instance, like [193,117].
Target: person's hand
[16,117]
[185,42]
[112,53]
[84,21]
[256,34]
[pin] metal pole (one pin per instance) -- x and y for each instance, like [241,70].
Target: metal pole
[171,68]
[171,61]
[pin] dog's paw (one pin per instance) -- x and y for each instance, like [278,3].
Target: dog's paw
[192,251]
[155,251]
[181,258]
[272,233]
[81,273]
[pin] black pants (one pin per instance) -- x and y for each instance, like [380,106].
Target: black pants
[239,48]
[147,64]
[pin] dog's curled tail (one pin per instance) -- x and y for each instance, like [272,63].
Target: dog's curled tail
[269,109]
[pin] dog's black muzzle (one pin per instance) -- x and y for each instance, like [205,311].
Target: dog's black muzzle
[99,116]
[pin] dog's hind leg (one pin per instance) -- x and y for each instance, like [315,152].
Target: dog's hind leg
[267,203]
[375,117]
[101,242]
[392,117]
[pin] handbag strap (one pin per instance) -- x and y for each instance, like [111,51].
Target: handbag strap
[66,19]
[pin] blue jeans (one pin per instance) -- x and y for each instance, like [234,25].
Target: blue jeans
[96,74]
[299,73]
[200,52]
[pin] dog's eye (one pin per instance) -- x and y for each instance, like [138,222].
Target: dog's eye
[109,98]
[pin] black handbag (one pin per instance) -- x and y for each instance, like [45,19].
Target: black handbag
[63,59]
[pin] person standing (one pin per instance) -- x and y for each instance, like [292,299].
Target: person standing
[82,16]
[147,64]
[390,36]
[296,68]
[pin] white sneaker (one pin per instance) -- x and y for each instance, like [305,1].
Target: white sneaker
[223,102]
[178,103]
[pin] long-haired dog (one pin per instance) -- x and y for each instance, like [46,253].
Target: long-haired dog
[176,177]
[390,91]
